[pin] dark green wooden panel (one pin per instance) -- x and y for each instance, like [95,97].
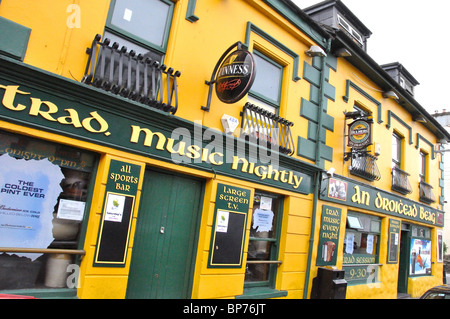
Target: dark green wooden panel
[165,239]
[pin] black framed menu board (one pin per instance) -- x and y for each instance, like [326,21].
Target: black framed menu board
[394,241]
[229,226]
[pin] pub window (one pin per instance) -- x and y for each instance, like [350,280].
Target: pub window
[420,251]
[396,150]
[140,25]
[44,195]
[266,89]
[361,248]
[262,260]
[400,178]
[425,190]
[422,166]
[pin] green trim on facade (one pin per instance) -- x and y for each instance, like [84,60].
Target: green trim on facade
[253,28]
[350,84]
[190,12]
[306,148]
[311,74]
[421,137]
[14,39]
[389,124]
[317,74]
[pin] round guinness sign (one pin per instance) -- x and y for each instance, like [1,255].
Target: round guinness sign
[235,76]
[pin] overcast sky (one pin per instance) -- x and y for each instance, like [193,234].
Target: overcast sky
[414,33]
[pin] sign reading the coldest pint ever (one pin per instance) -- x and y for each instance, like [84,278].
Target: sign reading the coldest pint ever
[235,76]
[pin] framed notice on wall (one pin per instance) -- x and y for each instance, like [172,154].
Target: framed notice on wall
[394,241]
[329,236]
[229,227]
[117,214]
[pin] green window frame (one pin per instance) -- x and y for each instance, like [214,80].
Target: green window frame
[131,35]
[266,90]
[423,166]
[359,263]
[397,142]
[262,256]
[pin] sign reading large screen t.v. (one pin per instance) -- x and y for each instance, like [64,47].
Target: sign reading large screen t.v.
[230,221]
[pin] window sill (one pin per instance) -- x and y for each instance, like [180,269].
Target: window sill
[44,293]
[261,293]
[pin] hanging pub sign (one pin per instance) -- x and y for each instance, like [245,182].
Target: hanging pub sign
[235,76]
[360,134]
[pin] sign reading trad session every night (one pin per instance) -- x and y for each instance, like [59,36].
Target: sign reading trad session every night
[343,191]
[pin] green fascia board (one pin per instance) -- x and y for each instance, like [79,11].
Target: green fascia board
[14,39]
[67,93]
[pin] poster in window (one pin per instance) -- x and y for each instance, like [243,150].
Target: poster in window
[420,257]
[29,191]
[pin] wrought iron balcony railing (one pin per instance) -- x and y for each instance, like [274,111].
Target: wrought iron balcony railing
[364,165]
[131,75]
[400,181]
[265,126]
[426,193]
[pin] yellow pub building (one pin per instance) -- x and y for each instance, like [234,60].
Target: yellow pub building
[183,149]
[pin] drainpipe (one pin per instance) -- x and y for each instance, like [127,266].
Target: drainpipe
[320,112]
[318,174]
[312,235]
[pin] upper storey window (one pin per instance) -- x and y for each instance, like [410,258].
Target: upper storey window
[266,90]
[140,25]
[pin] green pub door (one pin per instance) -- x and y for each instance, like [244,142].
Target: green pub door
[165,241]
